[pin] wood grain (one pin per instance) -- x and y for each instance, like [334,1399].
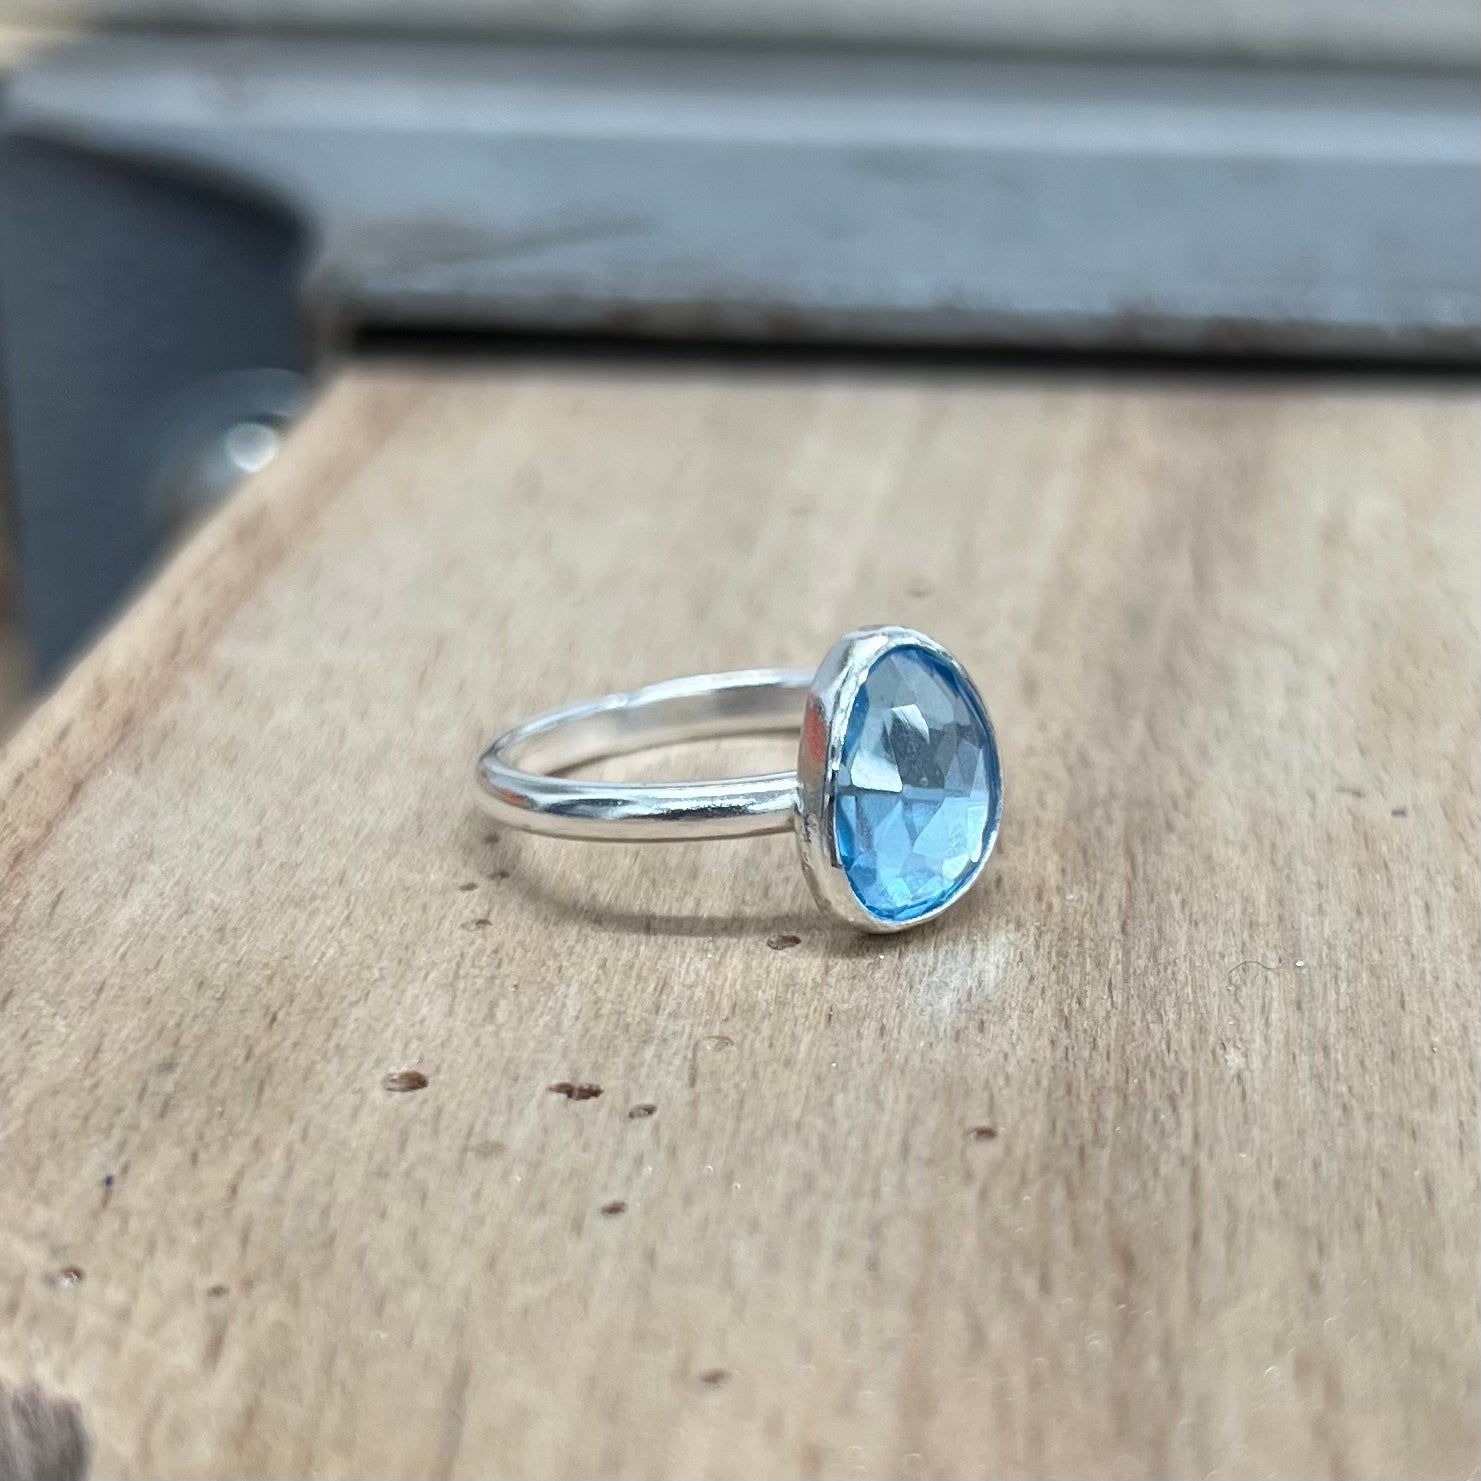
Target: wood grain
[1157,1157]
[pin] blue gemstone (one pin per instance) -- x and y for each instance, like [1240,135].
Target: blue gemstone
[919,791]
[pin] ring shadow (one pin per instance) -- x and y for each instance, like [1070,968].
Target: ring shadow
[527,866]
[524,864]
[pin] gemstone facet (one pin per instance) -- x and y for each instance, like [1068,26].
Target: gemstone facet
[918,791]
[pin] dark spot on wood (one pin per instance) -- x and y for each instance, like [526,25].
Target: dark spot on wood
[1398,812]
[714,1377]
[481,923]
[42,1437]
[108,1179]
[165,1066]
[68,1276]
[615,1207]
[472,884]
[1350,791]
[983,1133]
[403,1080]
[497,874]
[918,589]
[217,1291]
[718,1041]
[783,941]
[575,1090]
[641,1111]
[487,1149]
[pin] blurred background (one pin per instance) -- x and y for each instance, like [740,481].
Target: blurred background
[203,203]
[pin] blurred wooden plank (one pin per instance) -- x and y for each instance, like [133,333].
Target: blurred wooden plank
[14,675]
[1215,998]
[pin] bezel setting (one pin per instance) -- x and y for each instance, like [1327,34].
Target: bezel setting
[830,703]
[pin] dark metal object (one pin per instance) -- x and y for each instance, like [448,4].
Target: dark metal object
[136,310]
[801,196]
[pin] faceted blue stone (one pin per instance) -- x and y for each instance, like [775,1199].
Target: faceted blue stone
[918,790]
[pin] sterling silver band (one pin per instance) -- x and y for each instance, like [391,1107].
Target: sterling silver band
[518,790]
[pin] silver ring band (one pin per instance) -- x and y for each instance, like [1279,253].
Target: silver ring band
[519,791]
[895,801]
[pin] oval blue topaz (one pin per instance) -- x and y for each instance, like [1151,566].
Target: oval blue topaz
[918,791]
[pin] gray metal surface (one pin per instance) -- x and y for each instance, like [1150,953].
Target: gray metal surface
[794,196]
[1372,32]
[142,320]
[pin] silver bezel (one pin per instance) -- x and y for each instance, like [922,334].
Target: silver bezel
[830,702]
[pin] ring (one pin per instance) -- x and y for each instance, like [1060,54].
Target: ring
[895,802]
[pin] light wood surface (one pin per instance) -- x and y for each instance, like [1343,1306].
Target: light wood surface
[1155,1158]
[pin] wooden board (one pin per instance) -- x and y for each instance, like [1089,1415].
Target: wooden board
[1158,1157]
